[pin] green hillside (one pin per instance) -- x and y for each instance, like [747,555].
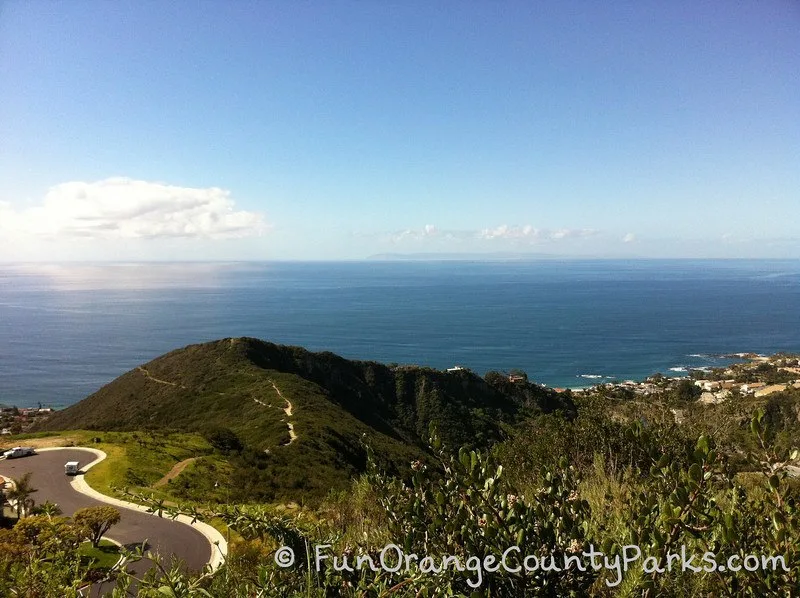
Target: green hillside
[302,417]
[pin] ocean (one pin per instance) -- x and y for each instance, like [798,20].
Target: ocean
[68,329]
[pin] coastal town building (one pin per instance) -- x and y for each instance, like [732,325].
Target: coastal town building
[708,385]
[751,387]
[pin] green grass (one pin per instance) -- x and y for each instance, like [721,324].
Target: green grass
[138,460]
[104,556]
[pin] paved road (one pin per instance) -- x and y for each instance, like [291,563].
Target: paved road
[163,536]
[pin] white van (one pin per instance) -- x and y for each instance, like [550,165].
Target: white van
[72,467]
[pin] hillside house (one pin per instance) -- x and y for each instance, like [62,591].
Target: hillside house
[751,387]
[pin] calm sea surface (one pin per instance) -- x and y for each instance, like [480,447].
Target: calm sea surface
[65,330]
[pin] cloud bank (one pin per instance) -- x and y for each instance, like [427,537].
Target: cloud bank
[428,231]
[517,234]
[122,208]
[533,235]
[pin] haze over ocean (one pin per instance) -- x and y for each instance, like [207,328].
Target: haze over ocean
[67,329]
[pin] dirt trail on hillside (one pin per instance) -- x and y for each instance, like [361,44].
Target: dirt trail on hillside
[158,380]
[174,472]
[292,434]
[288,411]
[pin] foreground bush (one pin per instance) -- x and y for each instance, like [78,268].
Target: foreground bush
[460,505]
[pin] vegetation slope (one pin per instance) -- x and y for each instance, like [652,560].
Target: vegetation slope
[294,423]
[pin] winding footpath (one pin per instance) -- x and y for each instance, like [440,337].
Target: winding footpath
[173,473]
[196,545]
[288,411]
[158,380]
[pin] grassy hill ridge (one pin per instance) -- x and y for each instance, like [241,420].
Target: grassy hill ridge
[247,385]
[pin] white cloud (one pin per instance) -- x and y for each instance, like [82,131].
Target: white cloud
[122,208]
[531,234]
[629,238]
[509,232]
[429,230]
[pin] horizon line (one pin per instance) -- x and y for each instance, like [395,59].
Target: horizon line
[406,258]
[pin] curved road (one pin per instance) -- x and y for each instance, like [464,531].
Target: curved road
[163,536]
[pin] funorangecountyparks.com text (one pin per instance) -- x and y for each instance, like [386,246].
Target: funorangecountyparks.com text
[514,561]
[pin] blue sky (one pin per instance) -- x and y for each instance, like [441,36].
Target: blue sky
[338,130]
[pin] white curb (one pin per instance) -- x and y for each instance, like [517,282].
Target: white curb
[219,547]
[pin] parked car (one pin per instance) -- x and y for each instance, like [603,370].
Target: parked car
[19,451]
